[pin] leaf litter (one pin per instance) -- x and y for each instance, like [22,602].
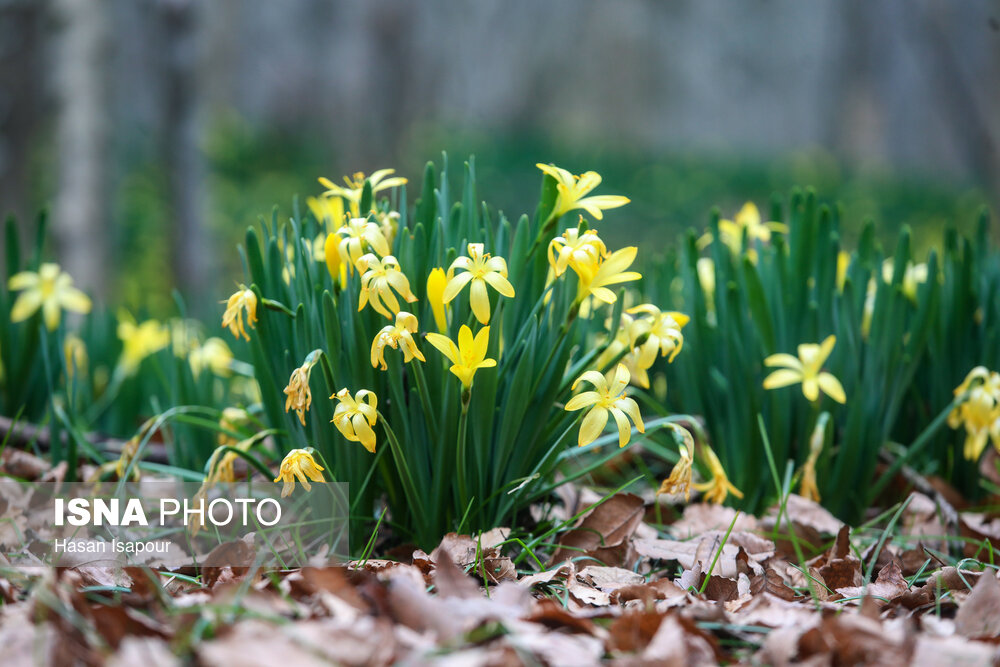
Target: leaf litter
[793,587]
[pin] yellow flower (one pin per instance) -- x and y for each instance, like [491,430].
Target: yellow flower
[806,369]
[594,280]
[129,451]
[318,247]
[51,289]
[396,336]
[222,470]
[183,336]
[328,211]
[913,276]
[868,310]
[388,222]
[140,340]
[623,341]
[355,236]
[717,488]
[573,188]
[355,185]
[355,416]
[468,356]
[608,396]
[580,250]
[843,263]
[748,218]
[478,270]
[75,356]
[437,281]
[706,277]
[230,420]
[242,300]
[680,476]
[298,463]
[331,253]
[213,354]
[979,412]
[298,395]
[663,333]
[376,279]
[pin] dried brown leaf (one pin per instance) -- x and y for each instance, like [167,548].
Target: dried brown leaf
[931,651]
[979,615]
[699,518]
[887,586]
[451,581]
[561,573]
[145,651]
[702,550]
[604,532]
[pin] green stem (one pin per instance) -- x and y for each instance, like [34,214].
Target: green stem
[463,427]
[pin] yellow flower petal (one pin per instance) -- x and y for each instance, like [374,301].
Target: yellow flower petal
[782,378]
[831,387]
[592,426]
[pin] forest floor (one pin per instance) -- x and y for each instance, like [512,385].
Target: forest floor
[621,584]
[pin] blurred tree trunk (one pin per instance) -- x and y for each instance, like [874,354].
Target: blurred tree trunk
[80,216]
[21,84]
[190,249]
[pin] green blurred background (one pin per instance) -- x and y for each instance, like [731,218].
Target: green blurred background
[155,132]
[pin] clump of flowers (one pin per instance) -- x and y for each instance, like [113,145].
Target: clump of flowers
[510,324]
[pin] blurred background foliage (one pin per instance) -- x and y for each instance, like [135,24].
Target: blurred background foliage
[156,131]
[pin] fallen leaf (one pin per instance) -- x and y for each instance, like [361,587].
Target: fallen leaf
[979,615]
[699,518]
[561,573]
[608,579]
[887,586]
[21,464]
[977,527]
[145,651]
[935,651]
[772,582]
[451,581]
[461,549]
[703,550]
[603,533]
